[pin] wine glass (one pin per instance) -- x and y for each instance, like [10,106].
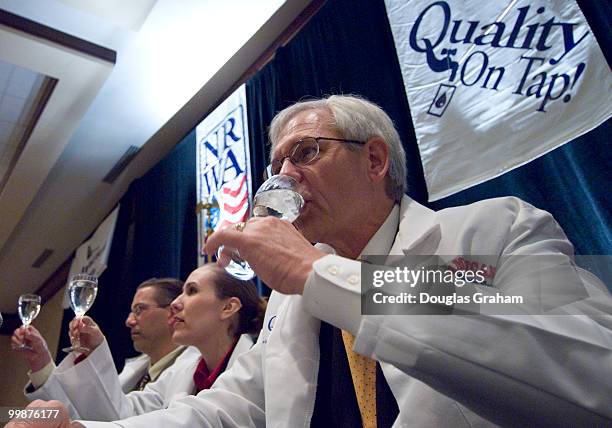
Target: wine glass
[82,291]
[276,197]
[28,308]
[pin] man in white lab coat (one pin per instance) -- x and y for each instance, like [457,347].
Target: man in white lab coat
[480,369]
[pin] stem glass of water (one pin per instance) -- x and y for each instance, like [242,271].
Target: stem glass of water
[276,197]
[82,291]
[28,308]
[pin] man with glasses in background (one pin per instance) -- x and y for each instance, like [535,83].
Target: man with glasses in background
[319,362]
[151,335]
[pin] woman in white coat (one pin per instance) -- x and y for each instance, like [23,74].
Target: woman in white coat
[214,315]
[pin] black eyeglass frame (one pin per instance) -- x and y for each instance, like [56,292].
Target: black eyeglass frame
[139,308]
[268,172]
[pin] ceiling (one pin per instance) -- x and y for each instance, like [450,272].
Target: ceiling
[19,94]
[164,64]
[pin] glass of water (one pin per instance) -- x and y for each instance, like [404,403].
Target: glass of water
[82,291]
[28,308]
[276,197]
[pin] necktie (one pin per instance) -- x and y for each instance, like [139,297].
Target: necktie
[143,382]
[363,372]
[200,376]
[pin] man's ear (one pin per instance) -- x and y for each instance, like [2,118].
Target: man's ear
[378,158]
[231,306]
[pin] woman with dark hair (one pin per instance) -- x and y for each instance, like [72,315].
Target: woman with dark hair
[213,316]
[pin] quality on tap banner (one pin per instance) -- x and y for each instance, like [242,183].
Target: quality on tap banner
[493,85]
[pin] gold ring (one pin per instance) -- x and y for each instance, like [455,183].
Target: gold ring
[240,226]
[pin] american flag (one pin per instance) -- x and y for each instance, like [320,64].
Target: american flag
[233,201]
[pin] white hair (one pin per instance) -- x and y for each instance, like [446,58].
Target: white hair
[355,119]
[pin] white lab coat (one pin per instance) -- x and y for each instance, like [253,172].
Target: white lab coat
[94,391]
[133,370]
[448,370]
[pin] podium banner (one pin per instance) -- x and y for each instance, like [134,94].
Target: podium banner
[494,85]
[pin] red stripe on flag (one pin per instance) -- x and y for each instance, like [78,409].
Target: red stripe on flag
[234,193]
[234,209]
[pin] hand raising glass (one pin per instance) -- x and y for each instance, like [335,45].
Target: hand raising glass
[89,334]
[276,197]
[82,290]
[36,354]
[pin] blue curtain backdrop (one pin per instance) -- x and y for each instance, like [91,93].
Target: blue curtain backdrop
[155,236]
[348,49]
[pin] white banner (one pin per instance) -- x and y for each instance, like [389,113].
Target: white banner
[92,256]
[223,167]
[493,85]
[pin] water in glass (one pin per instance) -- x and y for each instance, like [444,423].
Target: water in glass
[28,307]
[276,197]
[82,291]
[281,203]
[82,295]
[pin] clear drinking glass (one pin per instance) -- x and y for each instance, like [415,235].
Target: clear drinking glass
[82,291]
[28,308]
[277,197]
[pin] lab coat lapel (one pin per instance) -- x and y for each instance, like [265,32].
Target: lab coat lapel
[419,233]
[133,370]
[245,342]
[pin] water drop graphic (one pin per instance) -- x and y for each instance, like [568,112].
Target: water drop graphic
[441,101]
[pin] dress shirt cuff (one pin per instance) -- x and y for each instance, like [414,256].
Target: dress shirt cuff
[332,292]
[38,378]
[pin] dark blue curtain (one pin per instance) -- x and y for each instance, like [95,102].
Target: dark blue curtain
[343,49]
[155,236]
[349,49]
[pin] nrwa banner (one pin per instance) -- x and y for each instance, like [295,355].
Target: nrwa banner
[223,167]
[493,85]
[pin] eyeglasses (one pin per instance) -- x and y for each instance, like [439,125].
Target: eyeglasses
[303,152]
[138,309]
